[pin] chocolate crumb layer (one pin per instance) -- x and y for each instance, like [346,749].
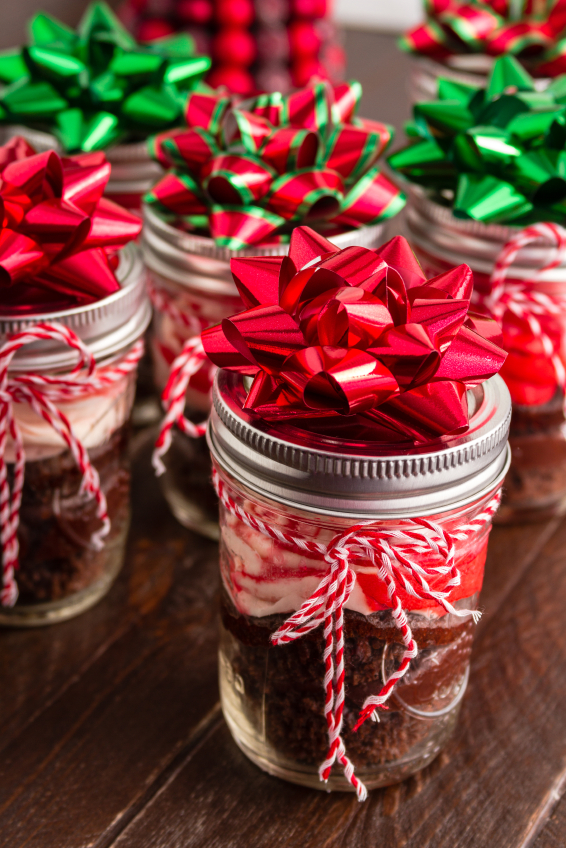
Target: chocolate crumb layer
[284,688]
[57,558]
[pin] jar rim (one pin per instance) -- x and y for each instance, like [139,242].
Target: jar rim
[106,326]
[345,481]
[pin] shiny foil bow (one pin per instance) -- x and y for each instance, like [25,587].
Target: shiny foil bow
[59,234]
[534,30]
[496,154]
[248,172]
[96,86]
[358,339]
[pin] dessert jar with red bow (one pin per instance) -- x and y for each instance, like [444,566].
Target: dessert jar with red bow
[240,176]
[520,278]
[359,443]
[71,325]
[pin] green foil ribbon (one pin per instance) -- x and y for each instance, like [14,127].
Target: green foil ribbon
[96,86]
[249,172]
[495,154]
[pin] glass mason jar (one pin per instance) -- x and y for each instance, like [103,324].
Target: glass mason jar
[305,485]
[193,288]
[133,170]
[535,487]
[466,68]
[61,571]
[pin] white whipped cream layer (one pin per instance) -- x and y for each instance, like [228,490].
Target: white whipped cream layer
[264,579]
[93,419]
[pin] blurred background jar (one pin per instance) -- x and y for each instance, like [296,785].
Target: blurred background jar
[192,288]
[536,484]
[68,559]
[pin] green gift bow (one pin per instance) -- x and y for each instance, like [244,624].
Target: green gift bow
[96,86]
[495,153]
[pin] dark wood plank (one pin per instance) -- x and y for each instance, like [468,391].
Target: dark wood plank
[553,832]
[490,787]
[141,688]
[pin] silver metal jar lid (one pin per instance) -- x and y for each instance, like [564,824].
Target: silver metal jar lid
[107,326]
[470,69]
[372,480]
[197,262]
[434,229]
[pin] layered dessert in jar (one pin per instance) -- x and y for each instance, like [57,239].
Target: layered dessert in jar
[240,177]
[478,195]
[71,328]
[356,500]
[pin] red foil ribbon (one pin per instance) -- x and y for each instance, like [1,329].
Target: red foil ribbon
[357,336]
[256,168]
[59,234]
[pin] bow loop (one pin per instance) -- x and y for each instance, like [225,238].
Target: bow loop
[97,86]
[297,157]
[344,337]
[58,229]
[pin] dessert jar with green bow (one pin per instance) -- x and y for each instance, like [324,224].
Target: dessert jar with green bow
[95,88]
[240,175]
[486,189]
[71,335]
[358,438]
[461,40]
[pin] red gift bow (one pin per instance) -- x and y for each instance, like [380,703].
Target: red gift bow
[252,169]
[58,232]
[356,334]
[489,26]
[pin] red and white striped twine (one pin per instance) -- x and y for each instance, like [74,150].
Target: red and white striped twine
[42,392]
[524,301]
[163,302]
[392,552]
[189,361]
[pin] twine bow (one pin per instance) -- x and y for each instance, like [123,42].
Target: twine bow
[41,392]
[394,554]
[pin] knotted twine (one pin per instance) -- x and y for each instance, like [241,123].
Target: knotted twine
[393,553]
[42,392]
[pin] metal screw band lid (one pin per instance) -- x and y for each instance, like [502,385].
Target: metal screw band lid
[107,326]
[333,476]
[435,230]
[198,262]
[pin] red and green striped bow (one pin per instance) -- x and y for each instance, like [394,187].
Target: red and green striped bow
[248,172]
[534,30]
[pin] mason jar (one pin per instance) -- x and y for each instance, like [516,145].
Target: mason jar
[133,172]
[192,288]
[66,562]
[467,68]
[286,497]
[535,487]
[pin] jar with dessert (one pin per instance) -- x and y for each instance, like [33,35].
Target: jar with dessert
[95,88]
[460,41]
[240,176]
[74,308]
[485,188]
[359,442]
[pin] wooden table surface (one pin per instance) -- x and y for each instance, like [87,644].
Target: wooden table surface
[111,732]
